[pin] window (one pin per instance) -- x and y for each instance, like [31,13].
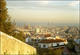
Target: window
[44,46]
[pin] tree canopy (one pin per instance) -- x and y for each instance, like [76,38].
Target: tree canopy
[6,25]
[5,22]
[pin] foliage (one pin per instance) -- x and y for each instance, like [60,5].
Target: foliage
[5,23]
[47,51]
[71,45]
[19,36]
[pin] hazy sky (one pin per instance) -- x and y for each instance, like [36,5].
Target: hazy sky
[55,12]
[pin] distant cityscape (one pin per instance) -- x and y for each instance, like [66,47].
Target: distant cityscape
[51,37]
[42,27]
[47,24]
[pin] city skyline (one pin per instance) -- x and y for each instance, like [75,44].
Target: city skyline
[42,12]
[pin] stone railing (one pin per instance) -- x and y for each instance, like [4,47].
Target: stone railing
[11,45]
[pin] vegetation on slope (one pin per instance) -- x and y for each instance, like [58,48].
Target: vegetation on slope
[6,25]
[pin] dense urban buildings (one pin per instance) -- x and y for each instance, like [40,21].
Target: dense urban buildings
[54,37]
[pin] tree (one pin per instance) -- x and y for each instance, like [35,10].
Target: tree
[5,23]
[71,45]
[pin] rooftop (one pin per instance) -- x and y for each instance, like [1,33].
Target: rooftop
[51,40]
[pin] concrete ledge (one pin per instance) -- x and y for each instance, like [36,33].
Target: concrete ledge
[11,45]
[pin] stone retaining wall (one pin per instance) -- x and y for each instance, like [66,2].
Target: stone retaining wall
[11,45]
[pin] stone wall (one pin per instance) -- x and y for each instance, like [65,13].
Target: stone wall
[11,45]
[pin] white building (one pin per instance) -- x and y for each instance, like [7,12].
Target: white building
[37,30]
[61,43]
[54,44]
[77,41]
[51,43]
[28,39]
[44,45]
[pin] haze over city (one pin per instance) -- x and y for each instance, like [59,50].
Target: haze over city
[44,12]
[39,27]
